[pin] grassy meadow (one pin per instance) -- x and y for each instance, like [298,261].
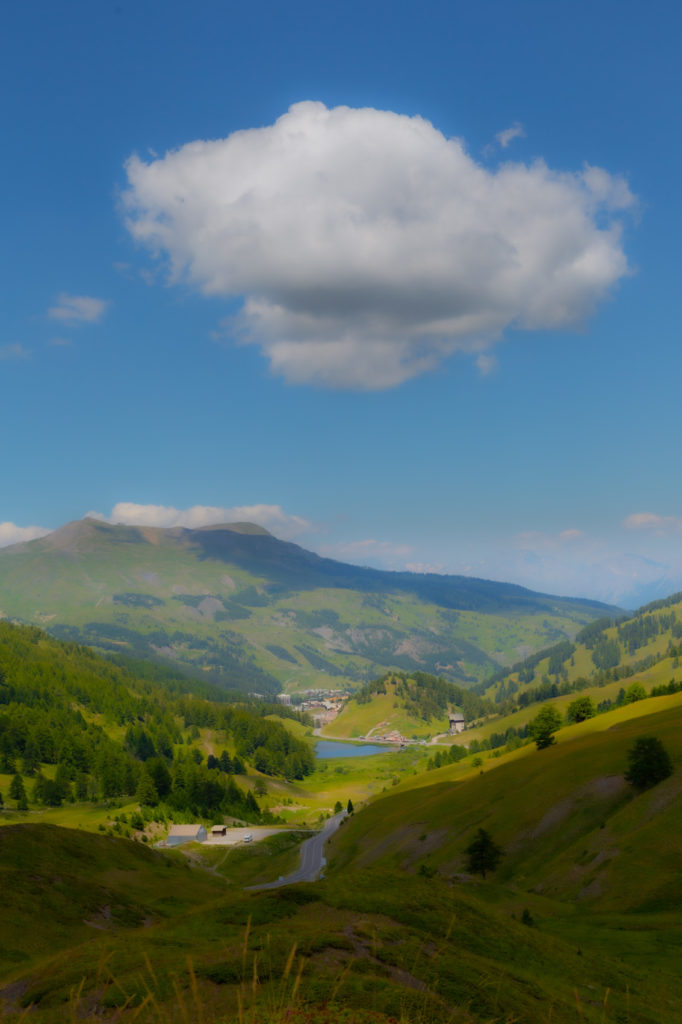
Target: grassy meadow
[581,921]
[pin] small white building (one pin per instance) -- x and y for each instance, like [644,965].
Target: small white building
[457,723]
[180,834]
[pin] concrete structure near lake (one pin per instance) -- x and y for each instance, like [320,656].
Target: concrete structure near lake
[457,724]
[180,834]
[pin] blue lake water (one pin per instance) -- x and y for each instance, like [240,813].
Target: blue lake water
[325,749]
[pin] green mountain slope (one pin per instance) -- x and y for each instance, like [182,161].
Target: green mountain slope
[612,662]
[570,825]
[79,734]
[245,609]
[80,885]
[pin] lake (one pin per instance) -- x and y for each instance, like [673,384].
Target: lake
[325,749]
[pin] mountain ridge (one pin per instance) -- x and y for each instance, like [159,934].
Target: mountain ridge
[344,572]
[233,594]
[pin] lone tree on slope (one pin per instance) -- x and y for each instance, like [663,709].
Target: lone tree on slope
[544,725]
[17,791]
[648,763]
[580,709]
[483,853]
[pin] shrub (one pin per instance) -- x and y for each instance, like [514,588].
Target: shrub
[648,763]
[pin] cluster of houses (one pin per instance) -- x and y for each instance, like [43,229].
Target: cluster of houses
[322,705]
[389,737]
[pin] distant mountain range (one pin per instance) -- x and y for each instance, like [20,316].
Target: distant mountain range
[240,607]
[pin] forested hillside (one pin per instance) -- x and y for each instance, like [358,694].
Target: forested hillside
[414,704]
[605,650]
[613,661]
[74,726]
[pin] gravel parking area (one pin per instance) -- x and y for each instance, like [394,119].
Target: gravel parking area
[233,836]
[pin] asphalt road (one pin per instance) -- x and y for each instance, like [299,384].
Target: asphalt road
[312,856]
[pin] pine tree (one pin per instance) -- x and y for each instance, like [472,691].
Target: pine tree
[17,791]
[483,853]
[147,794]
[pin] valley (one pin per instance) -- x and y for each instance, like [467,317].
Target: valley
[340,538]
[581,915]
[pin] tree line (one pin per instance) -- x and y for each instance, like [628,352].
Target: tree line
[64,709]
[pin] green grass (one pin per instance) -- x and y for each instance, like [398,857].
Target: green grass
[398,928]
[261,862]
[62,887]
[565,816]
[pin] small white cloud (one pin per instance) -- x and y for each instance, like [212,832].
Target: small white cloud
[14,351]
[78,309]
[425,567]
[609,190]
[150,277]
[651,521]
[486,364]
[516,131]
[60,342]
[271,517]
[368,247]
[368,551]
[576,564]
[10,533]
[532,539]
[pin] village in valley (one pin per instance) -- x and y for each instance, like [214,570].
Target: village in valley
[324,706]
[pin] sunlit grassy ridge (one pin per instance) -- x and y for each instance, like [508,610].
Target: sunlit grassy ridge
[385,713]
[612,663]
[621,647]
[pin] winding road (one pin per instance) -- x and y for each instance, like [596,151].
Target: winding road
[312,857]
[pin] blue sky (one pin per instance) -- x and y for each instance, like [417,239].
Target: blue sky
[399,281]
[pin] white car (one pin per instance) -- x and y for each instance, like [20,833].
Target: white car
[248,838]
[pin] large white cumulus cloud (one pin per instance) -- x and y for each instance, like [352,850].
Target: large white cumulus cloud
[368,246]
